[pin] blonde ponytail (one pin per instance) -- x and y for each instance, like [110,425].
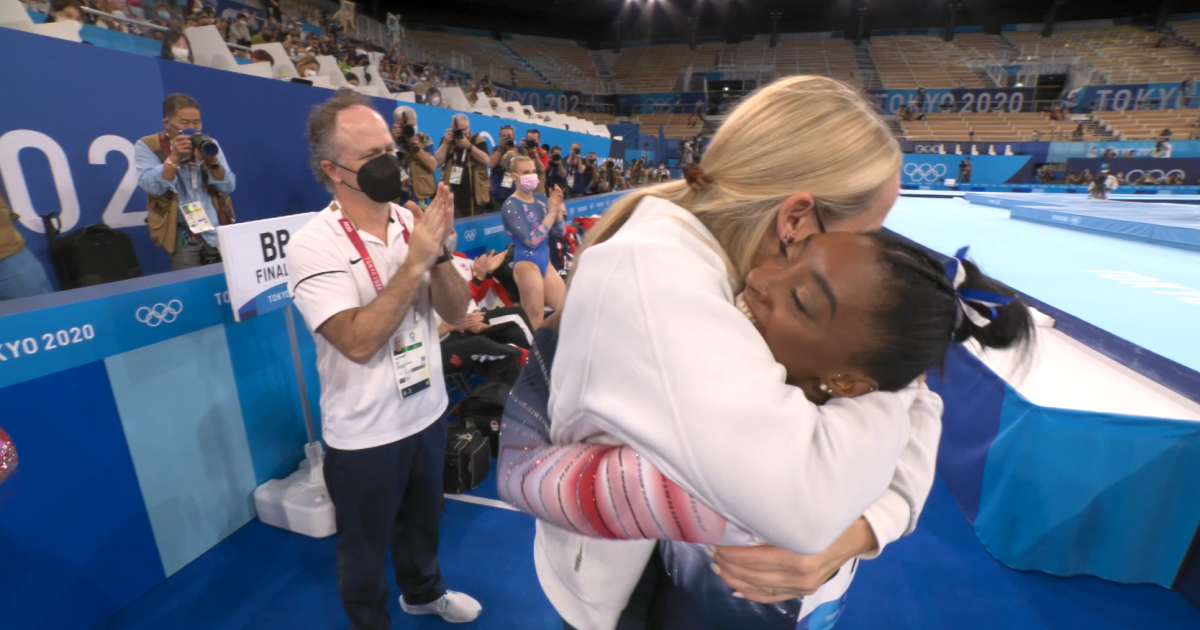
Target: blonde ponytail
[800,134]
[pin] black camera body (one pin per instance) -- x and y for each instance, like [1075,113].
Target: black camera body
[531,145]
[408,131]
[555,158]
[458,134]
[204,145]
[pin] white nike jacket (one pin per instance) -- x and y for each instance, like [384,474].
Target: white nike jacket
[653,353]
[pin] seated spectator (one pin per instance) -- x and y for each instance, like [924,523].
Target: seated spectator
[1036,137]
[351,78]
[308,67]
[1077,135]
[66,11]
[1146,180]
[1174,178]
[1120,179]
[1071,178]
[433,98]
[262,55]
[114,8]
[1093,152]
[176,48]
[239,31]
[1086,176]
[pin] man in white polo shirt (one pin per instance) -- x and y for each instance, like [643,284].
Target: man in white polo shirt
[368,275]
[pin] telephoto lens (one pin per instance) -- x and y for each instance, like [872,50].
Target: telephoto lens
[204,144]
[531,145]
[458,134]
[408,131]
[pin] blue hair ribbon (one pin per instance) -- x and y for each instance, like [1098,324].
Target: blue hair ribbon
[957,274]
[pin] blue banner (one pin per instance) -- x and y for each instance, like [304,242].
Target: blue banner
[1133,169]
[963,100]
[1039,151]
[52,160]
[1118,98]
[542,100]
[985,169]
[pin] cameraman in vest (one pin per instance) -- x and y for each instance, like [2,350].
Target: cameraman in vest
[416,162]
[463,158]
[187,183]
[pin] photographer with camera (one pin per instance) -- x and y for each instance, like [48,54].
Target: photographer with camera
[416,162]
[503,182]
[463,158]
[187,183]
[591,173]
[556,172]
[576,172]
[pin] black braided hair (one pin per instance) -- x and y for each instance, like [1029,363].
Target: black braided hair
[918,315]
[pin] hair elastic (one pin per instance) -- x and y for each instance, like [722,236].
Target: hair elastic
[957,273]
[695,177]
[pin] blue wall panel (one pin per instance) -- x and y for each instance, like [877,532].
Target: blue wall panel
[75,542]
[266,383]
[179,405]
[1070,492]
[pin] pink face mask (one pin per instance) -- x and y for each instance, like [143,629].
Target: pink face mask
[528,182]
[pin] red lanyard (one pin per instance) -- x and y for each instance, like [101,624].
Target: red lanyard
[356,240]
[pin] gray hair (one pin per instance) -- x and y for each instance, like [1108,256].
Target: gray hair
[462,117]
[405,112]
[322,130]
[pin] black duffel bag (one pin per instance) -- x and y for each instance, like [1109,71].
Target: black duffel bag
[468,458]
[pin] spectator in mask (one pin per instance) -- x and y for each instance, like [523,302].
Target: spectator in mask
[503,183]
[239,32]
[21,275]
[416,162]
[531,149]
[531,220]
[433,97]
[556,173]
[65,11]
[175,47]
[463,158]
[308,67]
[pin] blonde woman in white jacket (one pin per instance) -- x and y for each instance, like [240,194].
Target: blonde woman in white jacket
[655,354]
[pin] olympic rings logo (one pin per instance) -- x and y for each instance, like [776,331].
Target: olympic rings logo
[928,173]
[1155,174]
[927,148]
[160,313]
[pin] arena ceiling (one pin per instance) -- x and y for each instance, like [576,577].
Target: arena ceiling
[592,20]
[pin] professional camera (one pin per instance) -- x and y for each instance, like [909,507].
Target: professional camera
[458,134]
[574,151]
[555,158]
[407,131]
[531,144]
[204,145]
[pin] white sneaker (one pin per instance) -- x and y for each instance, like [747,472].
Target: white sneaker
[452,608]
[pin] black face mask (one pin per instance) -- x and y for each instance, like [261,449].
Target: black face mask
[379,178]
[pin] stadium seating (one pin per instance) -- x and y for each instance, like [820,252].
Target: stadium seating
[997,127]
[911,61]
[1122,54]
[568,66]
[1145,125]
[488,57]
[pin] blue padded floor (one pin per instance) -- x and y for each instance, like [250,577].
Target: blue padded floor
[1066,269]
[1172,224]
[939,578]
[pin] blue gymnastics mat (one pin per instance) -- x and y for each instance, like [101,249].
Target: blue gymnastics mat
[1141,292]
[1172,224]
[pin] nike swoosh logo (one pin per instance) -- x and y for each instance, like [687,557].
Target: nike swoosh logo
[355,262]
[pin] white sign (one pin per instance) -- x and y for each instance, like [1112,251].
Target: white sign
[255,258]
